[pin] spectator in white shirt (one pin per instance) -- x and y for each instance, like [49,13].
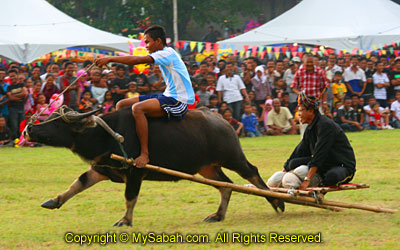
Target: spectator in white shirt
[381,83]
[231,89]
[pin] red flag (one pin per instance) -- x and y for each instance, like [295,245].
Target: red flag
[300,54]
[183,44]
[216,46]
[208,47]
[294,53]
[246,48]
[276,49]
[177,45]
[254,50]
[263,54]
[284,50]
[235,52]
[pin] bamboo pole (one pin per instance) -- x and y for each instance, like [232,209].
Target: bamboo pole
[257,191]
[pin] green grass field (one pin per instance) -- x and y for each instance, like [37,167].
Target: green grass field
[30,176]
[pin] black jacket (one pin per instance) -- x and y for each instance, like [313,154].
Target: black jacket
[327,145]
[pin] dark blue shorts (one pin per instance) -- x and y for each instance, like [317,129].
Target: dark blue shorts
[175,109]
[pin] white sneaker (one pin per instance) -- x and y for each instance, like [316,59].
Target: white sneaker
[388,127]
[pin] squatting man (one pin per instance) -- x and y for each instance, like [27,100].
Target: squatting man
[324,157]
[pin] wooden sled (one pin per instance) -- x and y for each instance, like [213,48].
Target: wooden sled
[309,197]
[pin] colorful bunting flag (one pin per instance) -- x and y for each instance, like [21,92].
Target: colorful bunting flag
[200,47]
[254,50]
[192,46]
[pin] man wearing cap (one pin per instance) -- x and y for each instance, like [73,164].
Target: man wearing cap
[324,156]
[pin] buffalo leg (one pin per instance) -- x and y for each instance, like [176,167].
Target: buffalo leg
[257,181]
[215,173]
[250,173]
[132,188]
[86,180]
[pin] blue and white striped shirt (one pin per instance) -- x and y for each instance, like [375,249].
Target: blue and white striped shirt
[175,75]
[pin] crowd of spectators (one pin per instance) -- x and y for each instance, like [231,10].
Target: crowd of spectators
[257,97]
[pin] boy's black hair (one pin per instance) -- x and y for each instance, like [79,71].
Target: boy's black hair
[375,103]
[203,82]
[67,64]
[220,105]
[204,62]
[13,71]
[155,32]
[86,63]
[211,74]
[354,56]
[120,66]
[212,97]
[338,72]
[346,98]
[354,95]
[225,110]
[49,74]
[285,94]
[86,91]
[36,66]
[246,104]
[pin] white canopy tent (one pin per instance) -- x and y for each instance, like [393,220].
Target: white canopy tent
[339,24]
[31,28]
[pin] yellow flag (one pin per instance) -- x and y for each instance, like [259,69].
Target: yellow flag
[383,52]
[374,47]
[192,46]
[269,49]
[308,49]
[277,55]
[241,53]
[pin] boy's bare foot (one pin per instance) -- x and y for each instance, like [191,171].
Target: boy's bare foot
[141,161]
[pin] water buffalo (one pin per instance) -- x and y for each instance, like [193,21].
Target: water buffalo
[201,143]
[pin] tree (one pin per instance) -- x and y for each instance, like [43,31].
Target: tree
[121,16]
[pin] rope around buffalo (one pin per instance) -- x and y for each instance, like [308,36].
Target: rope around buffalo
[35,116]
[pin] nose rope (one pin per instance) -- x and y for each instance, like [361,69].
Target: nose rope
[35,116]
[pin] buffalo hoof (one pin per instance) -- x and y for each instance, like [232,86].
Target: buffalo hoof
[51,204]
[213,218]
[278,204]
[123,222]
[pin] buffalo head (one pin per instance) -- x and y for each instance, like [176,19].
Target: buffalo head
[60,128]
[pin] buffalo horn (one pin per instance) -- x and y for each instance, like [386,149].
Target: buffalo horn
[75,116]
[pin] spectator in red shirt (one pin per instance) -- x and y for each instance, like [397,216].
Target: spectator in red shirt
[310,79]
[227,115]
